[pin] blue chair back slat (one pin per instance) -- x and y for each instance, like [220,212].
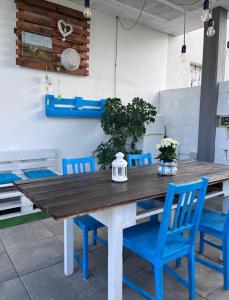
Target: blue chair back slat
[182,220]
[78,162]
[139,159]
[184,208]
[190,207]
[79,167]
[178,209]
[73,168]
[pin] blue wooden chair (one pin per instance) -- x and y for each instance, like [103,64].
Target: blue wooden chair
[161,243]
[139,160]
[86,223]
[215,224]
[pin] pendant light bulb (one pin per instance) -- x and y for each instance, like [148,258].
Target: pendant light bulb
[184,56]
[228,49]
[206,14]
[87,11]
[211,29]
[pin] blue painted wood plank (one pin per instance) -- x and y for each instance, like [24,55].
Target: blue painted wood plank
[74,108]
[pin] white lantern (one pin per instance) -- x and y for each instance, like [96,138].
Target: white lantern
[119,168]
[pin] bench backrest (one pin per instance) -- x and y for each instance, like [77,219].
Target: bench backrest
[23,160]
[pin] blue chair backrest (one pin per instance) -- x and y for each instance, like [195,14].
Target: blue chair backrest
[187,214]
[139,160]
[78,165]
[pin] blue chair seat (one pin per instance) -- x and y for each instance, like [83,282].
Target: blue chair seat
[87,221]
[6,178]
[142,240]
[215,224]
[159,244]
[39,174]
[213,220]
[149,204]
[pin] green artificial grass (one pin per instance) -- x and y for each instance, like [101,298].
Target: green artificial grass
[23,219]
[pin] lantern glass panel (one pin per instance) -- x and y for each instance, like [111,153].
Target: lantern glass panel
[119,171]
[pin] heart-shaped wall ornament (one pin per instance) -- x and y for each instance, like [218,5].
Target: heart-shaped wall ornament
[65,29]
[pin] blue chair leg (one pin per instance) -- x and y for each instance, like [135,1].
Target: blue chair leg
[201,246]
[226,263]
[191,276]
[85,254]
[94,236]
[158,271]
[178,262]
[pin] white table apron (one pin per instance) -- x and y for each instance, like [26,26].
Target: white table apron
[116,219]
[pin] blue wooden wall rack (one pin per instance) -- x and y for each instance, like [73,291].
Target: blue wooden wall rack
[74,108]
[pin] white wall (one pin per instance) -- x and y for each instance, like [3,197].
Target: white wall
[181,110]
[222,133]
[178,73]
[142,63]
[142,59]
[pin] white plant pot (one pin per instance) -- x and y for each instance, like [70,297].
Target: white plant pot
[167,168]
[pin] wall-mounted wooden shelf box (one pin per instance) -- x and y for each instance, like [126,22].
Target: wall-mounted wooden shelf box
[74,108]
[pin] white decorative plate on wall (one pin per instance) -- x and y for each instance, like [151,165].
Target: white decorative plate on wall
[70,59]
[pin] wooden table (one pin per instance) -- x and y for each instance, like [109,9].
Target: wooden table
[113,204]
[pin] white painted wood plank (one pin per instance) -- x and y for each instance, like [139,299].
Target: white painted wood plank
[9,205]
[8,195]
[226,196]
[27,165]
[68,247]
[8,167]
[35,154]
[7,156]
[15,214]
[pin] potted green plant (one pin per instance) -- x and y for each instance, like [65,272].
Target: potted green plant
[124,126]
[167,164]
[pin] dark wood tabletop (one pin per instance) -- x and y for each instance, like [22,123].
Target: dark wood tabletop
[68,196]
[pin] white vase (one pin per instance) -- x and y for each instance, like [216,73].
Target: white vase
[167,168]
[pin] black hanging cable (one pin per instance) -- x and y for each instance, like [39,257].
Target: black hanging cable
[116,58]
[185,16]
[136,22]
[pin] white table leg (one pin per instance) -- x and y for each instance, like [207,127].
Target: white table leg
[226,196]
[68,247]
[115,250]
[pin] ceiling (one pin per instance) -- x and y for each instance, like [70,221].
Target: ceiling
[163,15]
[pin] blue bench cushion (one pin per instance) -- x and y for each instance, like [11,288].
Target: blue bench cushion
[8,178]
[39,173]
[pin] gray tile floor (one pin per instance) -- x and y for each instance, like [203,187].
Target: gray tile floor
[31,267]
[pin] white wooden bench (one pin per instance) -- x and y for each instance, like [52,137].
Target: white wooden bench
[18,162]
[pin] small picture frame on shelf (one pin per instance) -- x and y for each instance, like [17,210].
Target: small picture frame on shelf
[36,47]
